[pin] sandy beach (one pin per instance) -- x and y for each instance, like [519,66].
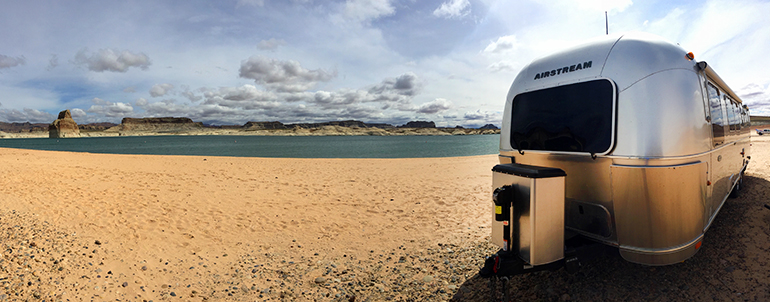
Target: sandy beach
[83,227]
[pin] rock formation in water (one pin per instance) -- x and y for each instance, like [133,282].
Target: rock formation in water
[64,126]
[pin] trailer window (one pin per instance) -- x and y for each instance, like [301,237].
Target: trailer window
[717,115]
[731,118]
[571,118]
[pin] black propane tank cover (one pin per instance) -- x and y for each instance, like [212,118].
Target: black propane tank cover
[503,197]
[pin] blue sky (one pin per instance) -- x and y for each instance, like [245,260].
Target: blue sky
[380,61]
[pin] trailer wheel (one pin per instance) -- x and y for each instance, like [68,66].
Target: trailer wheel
[737,188]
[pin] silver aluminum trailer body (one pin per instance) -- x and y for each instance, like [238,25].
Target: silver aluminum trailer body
[651,163]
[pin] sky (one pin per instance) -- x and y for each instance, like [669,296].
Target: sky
[379,61]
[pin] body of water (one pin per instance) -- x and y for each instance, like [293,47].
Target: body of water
[273,146]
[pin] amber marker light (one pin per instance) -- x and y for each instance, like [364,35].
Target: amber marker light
[690,56]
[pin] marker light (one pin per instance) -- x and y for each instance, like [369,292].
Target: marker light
[690,56]
[697,245]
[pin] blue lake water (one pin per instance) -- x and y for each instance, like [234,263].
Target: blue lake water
[273,146]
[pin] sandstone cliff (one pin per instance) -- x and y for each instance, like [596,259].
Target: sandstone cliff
[64,126]
[419,124]
[156,125]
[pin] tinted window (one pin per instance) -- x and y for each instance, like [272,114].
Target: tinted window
[572,118]
[731,117]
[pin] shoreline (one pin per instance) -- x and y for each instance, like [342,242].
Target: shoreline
[322,131]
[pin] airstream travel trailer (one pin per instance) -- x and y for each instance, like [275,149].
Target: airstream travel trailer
[627,141]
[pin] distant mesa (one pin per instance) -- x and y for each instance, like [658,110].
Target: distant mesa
[419,124]
[490,127]
[64,126]
[263,126]
[96,127]
[157,125]
[249,126]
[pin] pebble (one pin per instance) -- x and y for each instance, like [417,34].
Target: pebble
[320,280]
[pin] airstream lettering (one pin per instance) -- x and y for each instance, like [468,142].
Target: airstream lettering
[639,154]
[566,69]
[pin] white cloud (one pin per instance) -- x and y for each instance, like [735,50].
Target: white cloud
[406,84]
[8,62]
[159,90]
[435,106]
[189,94]
[282,75]
[368,10]
[111,60]
[141,102]
[503,66]
[108,109]
[77,113]
[453,9]
[757,97]
[271,44]
[26,115]
[503,44]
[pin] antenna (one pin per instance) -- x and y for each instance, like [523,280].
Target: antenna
[606,24]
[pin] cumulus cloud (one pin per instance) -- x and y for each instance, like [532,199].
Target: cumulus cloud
[282,75]
[478,115]
[8,62]
[271,44]
[141,102]
[453,9]
[245,97]
[757,97]
[503,44]
[368,10]
[406,84]
[111,60]
[77,112]
[502,66]
[109,109]
[187,93]
[435,106]
[159,90]
[26,115]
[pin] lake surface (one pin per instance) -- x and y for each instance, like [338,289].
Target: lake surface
[273,146]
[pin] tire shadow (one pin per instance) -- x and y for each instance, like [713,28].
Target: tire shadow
[731,265]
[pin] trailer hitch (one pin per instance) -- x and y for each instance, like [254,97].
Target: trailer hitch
[503,265]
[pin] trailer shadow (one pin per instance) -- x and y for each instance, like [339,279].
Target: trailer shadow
[732,264]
